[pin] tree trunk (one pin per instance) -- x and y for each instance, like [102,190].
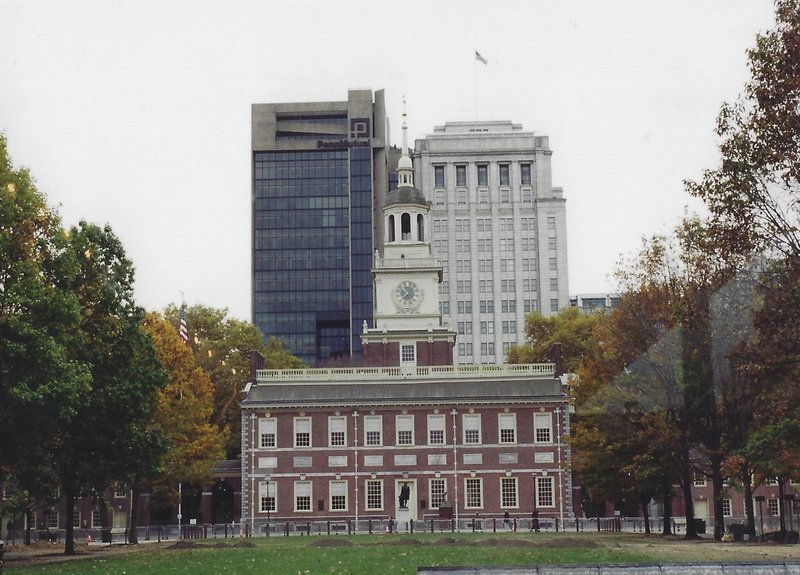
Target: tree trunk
[133,534]
[781,501]
[688,502]
[69,536]
[667,497]
[716,484]
[28,526]
[748,501]
[646,514]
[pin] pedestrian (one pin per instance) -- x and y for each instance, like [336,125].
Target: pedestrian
[391,525]
[506,519]
[535,521]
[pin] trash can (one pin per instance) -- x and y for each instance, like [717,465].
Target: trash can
[737,530]
[700,525]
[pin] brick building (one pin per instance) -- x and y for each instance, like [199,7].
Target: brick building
[353,444]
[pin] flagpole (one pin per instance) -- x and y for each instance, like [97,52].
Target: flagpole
[475,68]
[484,61]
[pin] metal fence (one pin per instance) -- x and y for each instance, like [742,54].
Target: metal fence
[431,524]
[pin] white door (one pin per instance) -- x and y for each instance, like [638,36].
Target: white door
[701,509]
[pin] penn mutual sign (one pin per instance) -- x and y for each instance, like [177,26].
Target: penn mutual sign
[343,144]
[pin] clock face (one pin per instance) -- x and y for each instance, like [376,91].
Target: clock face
[407,295]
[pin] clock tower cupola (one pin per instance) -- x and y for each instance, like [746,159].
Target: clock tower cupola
[408,329]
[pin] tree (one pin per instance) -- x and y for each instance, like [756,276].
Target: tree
[95,445]
[752,197]
[570,327]
[627,436]
[184,411]
[221,347]
[40,382]
[770,443]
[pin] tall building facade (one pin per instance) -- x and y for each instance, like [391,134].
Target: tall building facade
[499,228]
[410,436]
[319,181]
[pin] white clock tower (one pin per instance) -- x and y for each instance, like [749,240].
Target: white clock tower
[408,329]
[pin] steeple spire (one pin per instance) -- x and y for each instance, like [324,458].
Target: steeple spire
[405,168]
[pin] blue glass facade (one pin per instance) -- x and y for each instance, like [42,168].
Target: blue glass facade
[312,246]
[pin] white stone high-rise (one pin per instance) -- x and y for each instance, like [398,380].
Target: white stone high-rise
[499,227]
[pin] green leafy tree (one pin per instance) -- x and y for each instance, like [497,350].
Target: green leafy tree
[221,347]
[40,382]
[570,327]
[95,449]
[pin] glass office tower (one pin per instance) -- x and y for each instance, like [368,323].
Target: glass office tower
[319,180]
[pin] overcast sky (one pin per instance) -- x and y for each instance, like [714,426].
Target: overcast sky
[137,113]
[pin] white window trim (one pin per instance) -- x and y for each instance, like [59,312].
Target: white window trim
[295,423]
[310,496]
[467,480]
[398,419]
[331,494]
[366,495]
[443,419]
[430,490]
[332,418]
[379,419]
[266,426]
[509,417]
[413,347]
[516,493]
[473,417]
[267,489]
[535,427]
[552,482]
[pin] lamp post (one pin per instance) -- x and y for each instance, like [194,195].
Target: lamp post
[535,512]
[355,460]
[760,499]
[454,412]
[270,499]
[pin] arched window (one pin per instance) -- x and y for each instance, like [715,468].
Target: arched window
[391,228]
[420,228]
[405,226]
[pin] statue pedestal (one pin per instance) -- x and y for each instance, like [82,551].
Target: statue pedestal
[402,519]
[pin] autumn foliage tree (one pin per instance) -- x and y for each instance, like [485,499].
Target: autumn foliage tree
[221,346]
[184,410]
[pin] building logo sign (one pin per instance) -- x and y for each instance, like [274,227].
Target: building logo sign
[359,128]
[342,144]
[359,136]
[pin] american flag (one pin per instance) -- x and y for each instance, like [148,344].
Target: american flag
[183,331]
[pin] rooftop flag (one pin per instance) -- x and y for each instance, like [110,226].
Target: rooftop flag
[480,58]
[183,331]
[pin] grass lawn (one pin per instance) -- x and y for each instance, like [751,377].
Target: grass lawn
[392,554]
